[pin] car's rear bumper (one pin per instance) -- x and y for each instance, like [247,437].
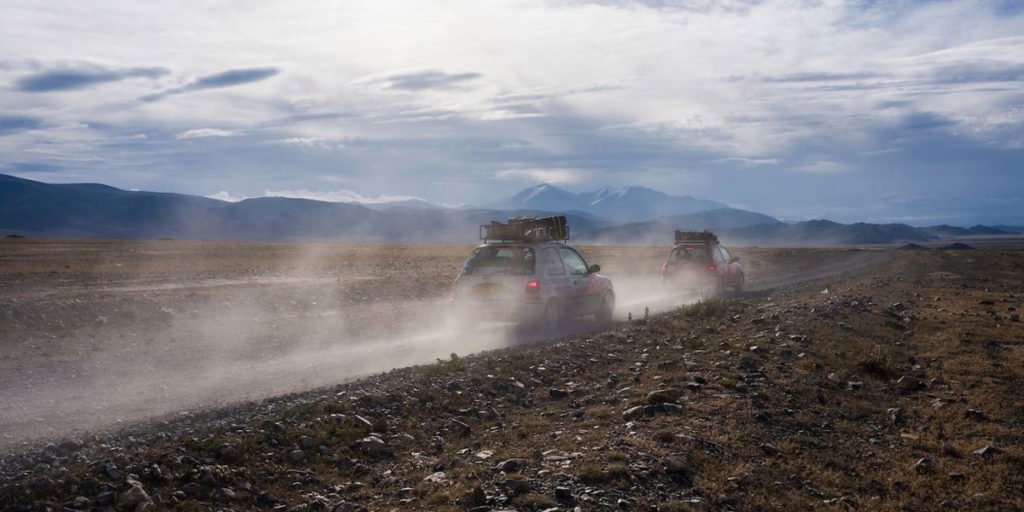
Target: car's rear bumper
[692,281]
[506,310]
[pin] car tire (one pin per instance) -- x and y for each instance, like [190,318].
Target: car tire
[740,283]
[606,310]
[554,317]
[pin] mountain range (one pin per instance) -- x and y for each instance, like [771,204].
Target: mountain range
[618,204]
[86,210]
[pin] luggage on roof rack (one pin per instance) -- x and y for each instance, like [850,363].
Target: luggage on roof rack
[696,237]
[526,229]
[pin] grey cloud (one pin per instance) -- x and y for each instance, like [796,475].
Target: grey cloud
[923,121]
[979,73]
[740,6]
[821,77]
[807,77]
[71,79]
[30,167]
[11,124]
[426,79]
[229,78]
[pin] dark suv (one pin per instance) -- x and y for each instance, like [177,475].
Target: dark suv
[697,262]
[526,272]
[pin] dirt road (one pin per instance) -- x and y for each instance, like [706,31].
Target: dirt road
[99,334]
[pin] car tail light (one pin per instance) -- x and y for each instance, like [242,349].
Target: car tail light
[712,268]
[533,289]
[664,270]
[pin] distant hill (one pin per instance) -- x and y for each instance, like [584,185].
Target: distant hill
[816,232]
[1011,229]
[946,231]
[99,211]
[732,228]
[620,204]
[661,231]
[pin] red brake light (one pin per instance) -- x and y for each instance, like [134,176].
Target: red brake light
[712,268]
[533,289]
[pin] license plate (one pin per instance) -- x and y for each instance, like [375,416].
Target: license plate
[488,290]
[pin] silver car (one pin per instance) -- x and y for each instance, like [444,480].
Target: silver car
[538,283]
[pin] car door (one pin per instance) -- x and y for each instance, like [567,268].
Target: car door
[576,266]
[730,267]
[555,273]
[721,265]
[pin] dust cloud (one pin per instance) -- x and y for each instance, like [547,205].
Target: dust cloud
[158,329]
[158,342]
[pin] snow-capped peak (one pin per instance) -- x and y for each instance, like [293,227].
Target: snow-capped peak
[539,189]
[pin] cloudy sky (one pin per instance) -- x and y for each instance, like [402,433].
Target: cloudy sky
[873,110]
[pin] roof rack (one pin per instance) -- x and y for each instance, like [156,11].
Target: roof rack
[696,237]
[526,229]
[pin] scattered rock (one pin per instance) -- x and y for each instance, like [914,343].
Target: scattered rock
[516,486]
[133,498]
[460,428]
[437,478]
[633,412]
[986,451]
[223,494]
[476,497]
[909,384]
[558,394]
[363,422]
[662,396]
[510,465]
[68,448]
[373,446]
[564,494]
[975,414]
[227,452]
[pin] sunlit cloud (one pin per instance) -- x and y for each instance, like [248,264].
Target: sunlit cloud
[330,196]
[199,133]
[552,176]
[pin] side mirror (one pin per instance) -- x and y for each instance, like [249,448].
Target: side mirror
[595,269]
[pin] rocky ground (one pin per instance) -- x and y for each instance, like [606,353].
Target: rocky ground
[896,388]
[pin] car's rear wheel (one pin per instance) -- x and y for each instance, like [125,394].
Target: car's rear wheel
[607,308]
[554,316]
[740,283]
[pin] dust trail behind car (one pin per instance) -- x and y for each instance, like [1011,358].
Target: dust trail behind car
[98,334]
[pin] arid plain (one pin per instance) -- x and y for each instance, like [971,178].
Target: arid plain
[842,378]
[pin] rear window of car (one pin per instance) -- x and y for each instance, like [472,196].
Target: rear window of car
[690,254]
[501,259]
